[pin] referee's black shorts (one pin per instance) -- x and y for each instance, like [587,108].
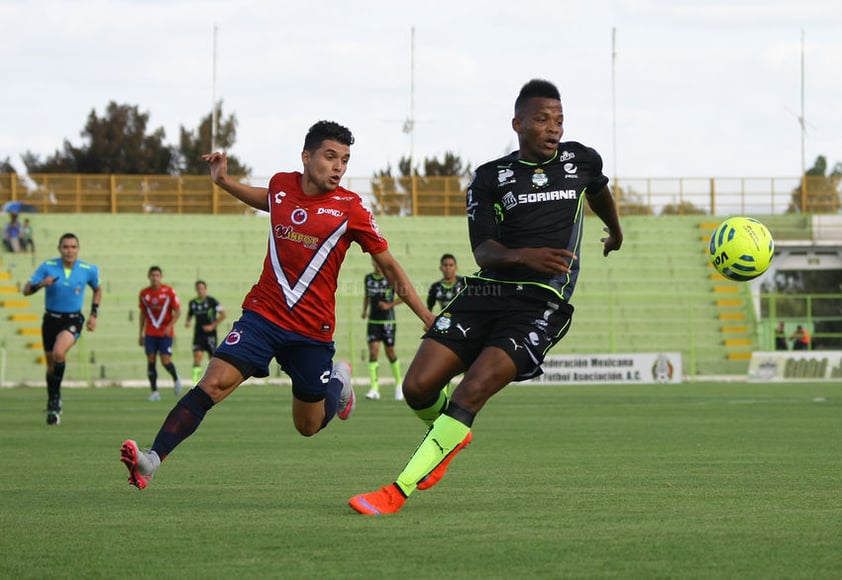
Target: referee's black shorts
[55,322]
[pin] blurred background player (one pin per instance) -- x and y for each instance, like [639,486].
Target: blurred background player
[65,279]
[209,314]
[379,306]
[159,311]
[445,290]
[449,286]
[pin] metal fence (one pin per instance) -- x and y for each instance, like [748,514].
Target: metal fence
[62,193]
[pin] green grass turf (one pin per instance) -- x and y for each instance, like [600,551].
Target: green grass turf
[692,481]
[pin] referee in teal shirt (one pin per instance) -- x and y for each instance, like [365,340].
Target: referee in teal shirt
[65,279]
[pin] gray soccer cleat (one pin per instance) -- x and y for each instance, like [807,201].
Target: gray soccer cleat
[347,399]
[142,465]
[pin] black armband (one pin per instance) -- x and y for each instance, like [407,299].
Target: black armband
[94,309]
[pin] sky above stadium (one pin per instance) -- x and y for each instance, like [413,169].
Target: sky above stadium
[694,89]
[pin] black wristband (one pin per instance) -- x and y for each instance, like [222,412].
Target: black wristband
[94,309]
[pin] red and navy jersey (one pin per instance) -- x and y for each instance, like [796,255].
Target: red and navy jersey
[531,205]
[158,305]
[309,237]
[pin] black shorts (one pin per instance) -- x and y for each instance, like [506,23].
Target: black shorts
[205,341]
[55,322]
[383,332]
[525,321]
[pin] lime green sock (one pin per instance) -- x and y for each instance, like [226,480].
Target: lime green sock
[197,374]
[430,414]
[396,371]
[443,438]
[372,375]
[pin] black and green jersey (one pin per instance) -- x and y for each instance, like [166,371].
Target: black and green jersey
[444,293]
[533,205]
[203,310]
[377,289]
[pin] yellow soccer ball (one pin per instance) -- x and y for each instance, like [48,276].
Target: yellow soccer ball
[741,248]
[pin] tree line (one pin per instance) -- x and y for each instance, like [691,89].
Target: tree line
[121,141]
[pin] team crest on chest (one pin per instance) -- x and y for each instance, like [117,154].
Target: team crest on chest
[298,216]
[539,178]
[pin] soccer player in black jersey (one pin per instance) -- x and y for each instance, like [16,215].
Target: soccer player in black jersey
[379,308]
[525,214]
[449,286]
[209,314]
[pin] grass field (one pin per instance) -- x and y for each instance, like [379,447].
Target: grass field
[699,480]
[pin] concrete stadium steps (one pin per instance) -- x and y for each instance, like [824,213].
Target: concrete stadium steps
[656,294]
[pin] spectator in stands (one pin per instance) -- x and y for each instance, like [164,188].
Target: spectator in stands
[379,304]
[290,314]
[12,234]
[801,338]
[449,286]
[159,311]
[65,279]
[27,238]
[524,220]
[209,314]
[780,337]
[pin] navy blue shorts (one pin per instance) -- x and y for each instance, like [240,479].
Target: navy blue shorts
[254,341]
[157,344]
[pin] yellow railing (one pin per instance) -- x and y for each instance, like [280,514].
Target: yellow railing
[64,193]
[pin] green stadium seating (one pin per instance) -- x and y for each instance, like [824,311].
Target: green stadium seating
[655,295]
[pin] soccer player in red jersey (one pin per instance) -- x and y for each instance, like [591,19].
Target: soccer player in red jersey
[159,311]
[289,315]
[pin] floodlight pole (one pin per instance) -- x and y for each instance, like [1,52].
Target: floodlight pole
[614,100]
[409,126]
[214,120]
[802,120]
[410,122]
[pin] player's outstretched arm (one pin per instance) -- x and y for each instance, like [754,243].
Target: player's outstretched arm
[398,279]
[602,204]
[256,197]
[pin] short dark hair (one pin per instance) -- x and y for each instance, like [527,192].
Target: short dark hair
[202,282]
[447,257]
[323,130]
[536,88]
[68,236]
[154,269]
